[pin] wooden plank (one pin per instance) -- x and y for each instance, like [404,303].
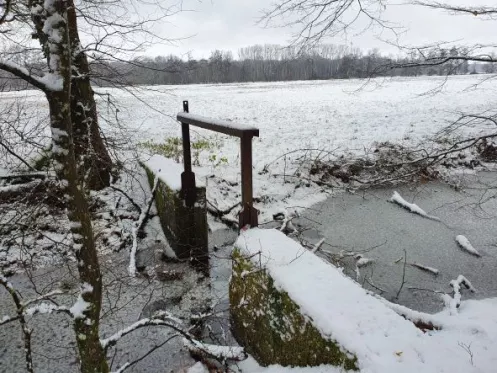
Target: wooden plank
[222,126]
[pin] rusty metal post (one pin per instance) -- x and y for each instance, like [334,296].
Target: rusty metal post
[248,215]
[187,177]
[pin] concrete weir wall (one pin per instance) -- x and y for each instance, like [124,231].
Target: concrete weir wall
[270,325]
[290,307]
[185,227]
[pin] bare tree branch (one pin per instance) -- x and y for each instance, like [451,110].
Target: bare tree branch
[453,9]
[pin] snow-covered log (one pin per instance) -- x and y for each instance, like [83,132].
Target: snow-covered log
[465,245]
[412,207]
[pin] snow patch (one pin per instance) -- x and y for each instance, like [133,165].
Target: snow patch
[78,309]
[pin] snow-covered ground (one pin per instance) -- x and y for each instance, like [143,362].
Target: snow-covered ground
[342,117]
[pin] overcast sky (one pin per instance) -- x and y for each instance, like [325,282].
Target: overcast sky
[231,24]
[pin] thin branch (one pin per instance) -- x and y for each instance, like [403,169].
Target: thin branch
[403,275]
[26,331]
[475,11]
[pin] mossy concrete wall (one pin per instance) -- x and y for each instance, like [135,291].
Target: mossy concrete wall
[270,325]
[184,227]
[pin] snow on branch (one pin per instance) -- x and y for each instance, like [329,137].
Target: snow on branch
[421,320]
[22,307]
[431,270]
[138,225]
[48,82]
[318,245]
[7,319]
[122,368]
[45,308]
[287,225]
[222,353]
[465,245]
[43,297]
[160,319]
[412,207]
[454,302]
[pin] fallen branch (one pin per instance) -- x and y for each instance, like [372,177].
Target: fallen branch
[318,245]
[403,275]
[412,207]
[454,302]
[432,270]
[220,214]
[464,244]
[135,205]
[421,320]
[287,224]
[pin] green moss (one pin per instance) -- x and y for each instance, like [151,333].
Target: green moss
[272,328]
[184,227]
[172,147]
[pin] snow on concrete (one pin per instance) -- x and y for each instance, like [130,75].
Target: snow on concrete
[415,209]
[168,171]
[465,245]
[383,341]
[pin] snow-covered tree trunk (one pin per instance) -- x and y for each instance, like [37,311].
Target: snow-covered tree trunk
[90,150]
[50,18]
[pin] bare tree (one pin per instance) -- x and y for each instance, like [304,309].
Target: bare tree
[316,20]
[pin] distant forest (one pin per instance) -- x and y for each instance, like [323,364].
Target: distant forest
[269,63]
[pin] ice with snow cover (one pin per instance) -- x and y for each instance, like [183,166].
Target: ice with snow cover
[339,308]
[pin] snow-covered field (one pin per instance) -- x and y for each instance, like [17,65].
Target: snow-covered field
[344,117]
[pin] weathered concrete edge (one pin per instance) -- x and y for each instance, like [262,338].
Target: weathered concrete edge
[269,324]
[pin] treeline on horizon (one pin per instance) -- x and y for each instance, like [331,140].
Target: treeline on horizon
[269,63]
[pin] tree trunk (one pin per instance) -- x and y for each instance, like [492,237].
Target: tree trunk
[90,151]
[86,328]
[53,33]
